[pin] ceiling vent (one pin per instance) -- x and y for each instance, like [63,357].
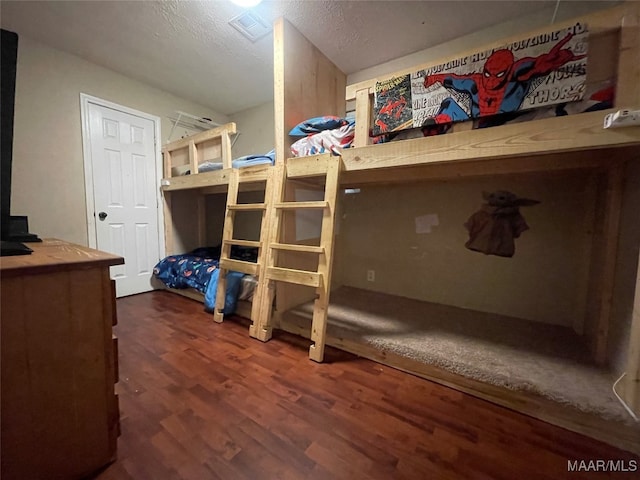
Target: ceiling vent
[250,25]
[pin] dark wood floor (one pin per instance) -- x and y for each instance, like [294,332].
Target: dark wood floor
[200,401]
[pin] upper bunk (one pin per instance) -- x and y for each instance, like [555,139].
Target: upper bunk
[307,84]
[183,159]
[204,162]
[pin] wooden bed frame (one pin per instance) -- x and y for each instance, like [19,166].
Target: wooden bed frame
[308,84]
[192,151]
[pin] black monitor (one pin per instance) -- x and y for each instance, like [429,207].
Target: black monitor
[11,244]
[9,50]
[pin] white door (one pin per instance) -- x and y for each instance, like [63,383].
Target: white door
[123,158]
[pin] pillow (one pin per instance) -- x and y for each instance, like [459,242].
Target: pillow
[317,124]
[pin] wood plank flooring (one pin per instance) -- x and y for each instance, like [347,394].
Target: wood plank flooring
[200,400]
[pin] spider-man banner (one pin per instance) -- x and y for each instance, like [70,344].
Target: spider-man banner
[542,70]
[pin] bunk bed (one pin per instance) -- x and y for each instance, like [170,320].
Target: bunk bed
[576,148]
[202,191]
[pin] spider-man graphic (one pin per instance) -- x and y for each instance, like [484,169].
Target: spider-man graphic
[502,85]
[391,108]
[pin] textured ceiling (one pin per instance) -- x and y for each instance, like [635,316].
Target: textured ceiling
[189,49]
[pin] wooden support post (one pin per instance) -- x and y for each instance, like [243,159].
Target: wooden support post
[630,386]
[168,224]
[166,158]
[363,118]
[607,256]
[629,89]
[202,219]
[227,156]
[628,78]
[193,157]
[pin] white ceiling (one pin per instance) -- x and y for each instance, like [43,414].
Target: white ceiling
[189,49]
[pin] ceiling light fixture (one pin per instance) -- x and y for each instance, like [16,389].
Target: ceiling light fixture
[246,3]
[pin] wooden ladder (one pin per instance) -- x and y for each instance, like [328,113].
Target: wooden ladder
[255,174]
[320,279]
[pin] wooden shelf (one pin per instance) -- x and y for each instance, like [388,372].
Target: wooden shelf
[525,141]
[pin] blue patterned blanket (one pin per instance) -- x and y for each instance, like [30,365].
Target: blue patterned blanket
[201,273]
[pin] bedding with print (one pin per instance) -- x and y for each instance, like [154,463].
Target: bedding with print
[201,273]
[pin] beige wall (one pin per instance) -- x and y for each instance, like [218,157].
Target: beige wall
[257,137]
[184,205]
[545,281]
[256,127]
[566,11]
[48,178]
[246,224]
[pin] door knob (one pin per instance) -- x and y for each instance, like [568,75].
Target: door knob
[102,215]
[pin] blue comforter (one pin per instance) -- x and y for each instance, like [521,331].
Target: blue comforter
[201,273]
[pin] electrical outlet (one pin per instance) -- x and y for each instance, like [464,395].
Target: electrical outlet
[371,275]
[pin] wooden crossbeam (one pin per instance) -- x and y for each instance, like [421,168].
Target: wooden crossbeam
[247,206]
[301,205]
[240,266]
[297,248]
[300,277]
[243,243]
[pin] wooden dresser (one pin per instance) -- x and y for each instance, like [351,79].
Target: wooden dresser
[60,414]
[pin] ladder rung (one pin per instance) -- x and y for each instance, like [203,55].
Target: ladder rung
[247,206]
[297,248]
[240,266]
[287,205]
[301,277]
[243,243]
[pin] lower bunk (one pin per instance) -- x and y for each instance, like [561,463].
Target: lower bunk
[195,275]
[242,307]
[541,370]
